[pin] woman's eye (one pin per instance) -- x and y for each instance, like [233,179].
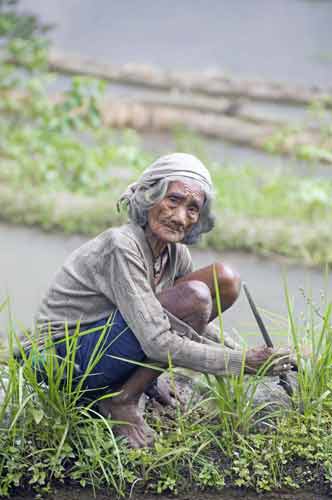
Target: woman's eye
[192,211]
[173,200]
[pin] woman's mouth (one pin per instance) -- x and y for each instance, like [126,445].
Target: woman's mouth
[175,229]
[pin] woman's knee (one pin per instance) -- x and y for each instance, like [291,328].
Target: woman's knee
[199,296]
[229,281]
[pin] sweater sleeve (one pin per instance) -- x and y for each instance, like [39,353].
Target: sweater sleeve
[212,333]
[130,290]
[185,263]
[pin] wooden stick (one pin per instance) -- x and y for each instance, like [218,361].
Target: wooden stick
[209,83]
[284,381]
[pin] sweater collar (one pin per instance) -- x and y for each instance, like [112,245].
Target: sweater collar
[148,256]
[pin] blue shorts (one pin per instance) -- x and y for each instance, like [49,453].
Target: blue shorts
[117,340]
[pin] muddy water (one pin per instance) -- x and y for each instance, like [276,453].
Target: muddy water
[280,40]
[231,154]
[30,257]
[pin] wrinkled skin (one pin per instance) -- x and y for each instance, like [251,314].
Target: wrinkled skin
[174,216]
[279,358]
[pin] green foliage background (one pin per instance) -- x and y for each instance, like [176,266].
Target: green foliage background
[56,155]
[61,168]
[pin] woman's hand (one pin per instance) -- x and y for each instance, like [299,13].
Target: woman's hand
[280,360]
[161,391]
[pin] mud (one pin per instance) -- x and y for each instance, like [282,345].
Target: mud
[187,389]
[227,494]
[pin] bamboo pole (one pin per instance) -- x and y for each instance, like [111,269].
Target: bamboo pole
[215,84]
[150,116]
[154,115]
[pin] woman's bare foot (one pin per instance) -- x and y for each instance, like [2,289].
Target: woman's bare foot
[137,432]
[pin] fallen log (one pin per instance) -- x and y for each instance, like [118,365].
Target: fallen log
[210,83]
[149,116]
[229,107]
[153,115]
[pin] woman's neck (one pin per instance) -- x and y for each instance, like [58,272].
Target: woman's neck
[157,246]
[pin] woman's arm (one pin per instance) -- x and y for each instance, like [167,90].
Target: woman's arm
[212,333]
[130,290]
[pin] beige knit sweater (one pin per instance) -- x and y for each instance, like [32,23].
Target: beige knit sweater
[115,271]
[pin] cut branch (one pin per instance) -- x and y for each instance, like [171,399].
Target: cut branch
[149,116]
[152,115]
[207,83]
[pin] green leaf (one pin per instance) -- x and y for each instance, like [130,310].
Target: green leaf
[38,415]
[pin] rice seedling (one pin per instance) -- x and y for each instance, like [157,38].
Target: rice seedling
[234,395]
[263,456]
[50,428]
[51,431]
[313,354]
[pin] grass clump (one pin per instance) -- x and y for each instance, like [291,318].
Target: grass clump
[272,442]
[48,430]
[306,141]
[59,159]
[73,169]
[255,212]
[50,434]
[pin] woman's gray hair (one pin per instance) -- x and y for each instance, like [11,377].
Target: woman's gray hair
[149,193]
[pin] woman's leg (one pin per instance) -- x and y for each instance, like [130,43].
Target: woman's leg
[196,307]
[192,300]
[186,304]
[228,280]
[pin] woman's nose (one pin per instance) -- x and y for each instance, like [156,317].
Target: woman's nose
[179,216]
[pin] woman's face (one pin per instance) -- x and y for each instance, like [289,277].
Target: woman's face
[172,218]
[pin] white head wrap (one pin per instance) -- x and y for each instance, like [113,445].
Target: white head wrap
[173,165]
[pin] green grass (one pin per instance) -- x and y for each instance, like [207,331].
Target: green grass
[48,432]
[49,435]
[282,215]
[63,169]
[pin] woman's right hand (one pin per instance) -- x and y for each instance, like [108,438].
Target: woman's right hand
[280,360]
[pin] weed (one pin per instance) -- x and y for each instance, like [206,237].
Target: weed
[73,167]
[48,431]
[49,434]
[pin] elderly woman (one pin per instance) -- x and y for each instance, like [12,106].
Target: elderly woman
[136,283]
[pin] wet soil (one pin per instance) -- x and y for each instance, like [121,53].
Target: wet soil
[227,494]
